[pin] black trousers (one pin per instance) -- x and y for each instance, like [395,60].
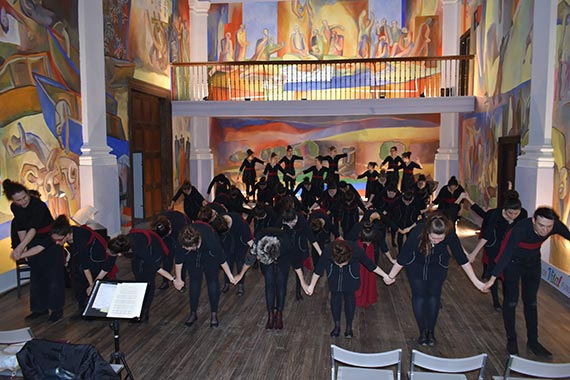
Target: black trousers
[349,306]
[47,279]
[526,274]
[212,283]
[275,286]
[426,294]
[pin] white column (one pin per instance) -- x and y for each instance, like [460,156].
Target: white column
[98,171]
[451,32]
[535,166]
[447,157]
[201,157]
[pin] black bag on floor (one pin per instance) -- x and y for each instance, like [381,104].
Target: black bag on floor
[46,360]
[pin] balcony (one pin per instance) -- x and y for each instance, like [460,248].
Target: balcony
[251,88]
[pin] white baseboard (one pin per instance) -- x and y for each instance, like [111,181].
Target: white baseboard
[556,278]
[8,281]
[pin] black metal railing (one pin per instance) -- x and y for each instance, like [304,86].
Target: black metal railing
[347,79]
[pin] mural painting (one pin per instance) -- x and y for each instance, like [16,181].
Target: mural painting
[40,127]
[364,139]
[315,30]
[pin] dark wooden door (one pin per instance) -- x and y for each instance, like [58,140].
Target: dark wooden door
[150,139]
[464,47]
[509,150]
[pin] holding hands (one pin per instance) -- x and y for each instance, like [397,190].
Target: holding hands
[178,284]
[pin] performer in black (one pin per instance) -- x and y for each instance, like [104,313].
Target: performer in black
[167,225]
[90,260]
[221,183]
[425,255]
[371,175]
[342,260]
[274,251]
[319,174]
[519,261]
[272,175]
[193,200]
[288,162]
[446,199]
[32,221]
[248,169]
[408,166]
[146,251]
[392,164]
[201,252]
[333,158]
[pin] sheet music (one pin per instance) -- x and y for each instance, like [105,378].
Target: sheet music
[128,300]
[105,295]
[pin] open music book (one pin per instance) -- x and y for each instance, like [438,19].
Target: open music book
[111,299]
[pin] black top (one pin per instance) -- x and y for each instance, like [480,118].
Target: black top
[347,277]
[522,242]
[411,255]
[90,251]
[285,258]
[289,163]
[209,253]
[192,202]
[495,227]
[148,251]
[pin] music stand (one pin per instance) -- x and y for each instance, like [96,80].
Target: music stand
[116,300]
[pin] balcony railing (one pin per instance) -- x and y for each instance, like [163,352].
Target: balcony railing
[405,77]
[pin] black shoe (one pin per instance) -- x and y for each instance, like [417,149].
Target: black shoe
[422,340]
[430,338]
[164,285]
[348,333]
[225,288]
[55,315]
[191,319]
[214,320]
[35,314]
[538,349]
[240,290]
[512,347]
[336,331]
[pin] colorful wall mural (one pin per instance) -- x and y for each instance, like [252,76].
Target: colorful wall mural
[40,121]
[503,40]
[364,139]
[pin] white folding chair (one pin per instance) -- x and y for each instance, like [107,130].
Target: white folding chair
[364,366]
[16,336]
[533,368]
[445,368]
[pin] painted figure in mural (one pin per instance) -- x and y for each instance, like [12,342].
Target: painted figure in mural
[395,34]
[337,43]
[265,47]
[520,264]
[226,48]
[298,42]
[248,169]
[365,25]
[300,7]
[421,46]
[405,45]
[158,51]
[383,38]
[32,221]
[288,162]
[317,48]
[241,43]
[341,259]
[425,255]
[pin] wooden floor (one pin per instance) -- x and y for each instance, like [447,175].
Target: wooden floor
[242,349]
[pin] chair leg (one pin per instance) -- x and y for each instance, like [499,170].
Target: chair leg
[18,283]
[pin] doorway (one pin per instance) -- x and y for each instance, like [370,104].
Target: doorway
[150,137]
[464,48]
[509,150]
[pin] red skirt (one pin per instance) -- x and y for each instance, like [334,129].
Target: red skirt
[367,294]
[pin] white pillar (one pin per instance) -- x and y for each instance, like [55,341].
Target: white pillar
[98,171]
[447,157]
[535,166]
[201,157]
[451,32]
[199,48]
